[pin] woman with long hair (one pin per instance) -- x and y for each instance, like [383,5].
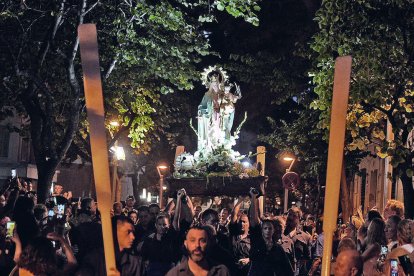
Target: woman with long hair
[39,257]
[266,255]
[374,240]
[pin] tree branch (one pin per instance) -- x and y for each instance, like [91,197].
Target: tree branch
[379,108]
[73,119]
[90,8]
[111,68]
[50,36]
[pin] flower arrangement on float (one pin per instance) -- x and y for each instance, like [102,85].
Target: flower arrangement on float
[220,162]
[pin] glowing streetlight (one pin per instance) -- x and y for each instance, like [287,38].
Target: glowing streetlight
[288,157]
[119,152]
[162,169]
[114,123]
[149,198]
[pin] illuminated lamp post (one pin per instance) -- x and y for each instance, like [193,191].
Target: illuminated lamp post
[286,198]
[289,179]
[162,169]
[119,154]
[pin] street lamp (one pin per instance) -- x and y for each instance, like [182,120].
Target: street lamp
[119,154]
[291,159]
[162,169]
[114,123]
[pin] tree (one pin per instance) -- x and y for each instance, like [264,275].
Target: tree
[299,135]
[380,37]
[154,45]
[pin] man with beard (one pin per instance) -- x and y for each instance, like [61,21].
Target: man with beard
[196,244]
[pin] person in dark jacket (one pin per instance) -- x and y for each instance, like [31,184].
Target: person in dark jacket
[266,256]
[127,263]
[160,249]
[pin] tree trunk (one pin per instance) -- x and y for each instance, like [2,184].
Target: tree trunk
[408,191]
[45,178]
[135,188]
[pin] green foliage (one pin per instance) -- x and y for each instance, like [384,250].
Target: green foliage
[240,8]
[300,136]
[146,49]
[380,37]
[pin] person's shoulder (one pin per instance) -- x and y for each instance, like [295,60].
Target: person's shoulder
[178,269]
[397,252]
[173,271]
[278,248]
[219,270]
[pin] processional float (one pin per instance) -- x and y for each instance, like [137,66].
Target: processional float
[216,169]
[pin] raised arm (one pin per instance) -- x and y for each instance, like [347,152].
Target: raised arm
[254,207]
[18,244]
[190,208]
[236,210]
[67,250]
[177,212]
[170,206]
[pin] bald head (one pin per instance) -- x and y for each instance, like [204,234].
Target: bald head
[348,262]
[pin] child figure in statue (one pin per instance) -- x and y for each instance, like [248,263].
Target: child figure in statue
[227,101]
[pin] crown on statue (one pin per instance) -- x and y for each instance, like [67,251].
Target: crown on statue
[214,73]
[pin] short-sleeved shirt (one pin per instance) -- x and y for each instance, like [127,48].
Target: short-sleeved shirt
[182,269]
[241,246]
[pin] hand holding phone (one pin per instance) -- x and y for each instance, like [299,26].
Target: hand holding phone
[393,267]
[13,173]
[10,229]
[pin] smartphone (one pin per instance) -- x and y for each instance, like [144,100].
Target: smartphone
[393,267]
[10,229]
[60,210]
[51,213]
[383,254]
[13,173]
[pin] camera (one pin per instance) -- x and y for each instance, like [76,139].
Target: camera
[256,192]
[183,196]
[184,199]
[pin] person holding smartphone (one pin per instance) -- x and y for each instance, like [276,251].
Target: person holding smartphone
[39,256]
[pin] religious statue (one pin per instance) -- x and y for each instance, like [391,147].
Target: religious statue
[216,110]
[227,101]
[209,111]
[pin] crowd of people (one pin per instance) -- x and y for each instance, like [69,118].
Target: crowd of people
[64,237]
